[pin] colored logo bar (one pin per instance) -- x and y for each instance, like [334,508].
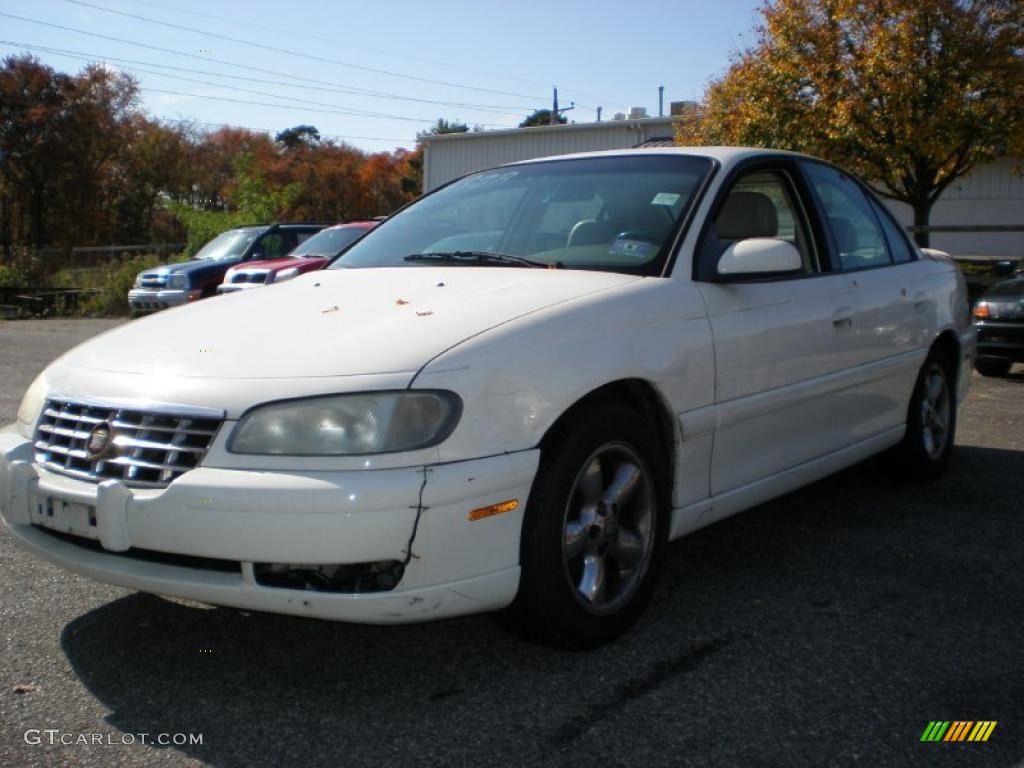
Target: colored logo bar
[958,730]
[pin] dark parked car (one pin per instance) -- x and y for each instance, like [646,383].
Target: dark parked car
[999,320]
[175,284]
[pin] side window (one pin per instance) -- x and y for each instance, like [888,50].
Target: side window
[274,245]
[855,229]
[302,237]
[759,204]
[894,233]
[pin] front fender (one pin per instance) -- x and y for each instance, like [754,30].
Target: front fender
[516,380]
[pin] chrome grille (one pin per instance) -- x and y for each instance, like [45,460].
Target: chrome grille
[249,277]
[149,448]
[153,281]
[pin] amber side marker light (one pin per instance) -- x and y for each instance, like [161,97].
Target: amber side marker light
[980,310]
[494,509]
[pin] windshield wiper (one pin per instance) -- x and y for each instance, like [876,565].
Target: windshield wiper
[481,257]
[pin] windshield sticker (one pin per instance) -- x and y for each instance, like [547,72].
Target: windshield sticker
[635,249]
[665,198]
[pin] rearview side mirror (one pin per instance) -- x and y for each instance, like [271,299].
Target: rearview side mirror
[759,255]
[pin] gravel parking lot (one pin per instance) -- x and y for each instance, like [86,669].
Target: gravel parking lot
[826,628]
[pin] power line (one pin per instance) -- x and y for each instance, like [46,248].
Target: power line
[265,104]
[310,56]
[148,46]
[348,43]
[272,131]
[302,102]
[86,56]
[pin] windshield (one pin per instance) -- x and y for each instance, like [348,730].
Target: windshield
[228,245]
[616,213]
[327,243]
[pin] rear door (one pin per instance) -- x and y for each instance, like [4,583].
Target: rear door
[894,301]
[784,344]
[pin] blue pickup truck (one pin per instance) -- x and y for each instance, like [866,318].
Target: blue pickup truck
[174,284]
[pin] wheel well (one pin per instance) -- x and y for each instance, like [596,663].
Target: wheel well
[636,393]
[948,346]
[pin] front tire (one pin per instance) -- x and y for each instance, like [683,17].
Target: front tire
[927,445]
[594,531]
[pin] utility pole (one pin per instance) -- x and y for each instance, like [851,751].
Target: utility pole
[661,101]
[599,114]
[554,108]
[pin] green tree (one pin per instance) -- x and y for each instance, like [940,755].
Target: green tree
[541,117]
[443,126]
[299,136]
[254,201]
[910,95]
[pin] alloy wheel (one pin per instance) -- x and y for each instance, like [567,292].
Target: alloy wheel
[609,528]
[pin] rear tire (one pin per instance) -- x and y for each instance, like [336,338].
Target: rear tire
[995,368]
[594,531]
[926,447]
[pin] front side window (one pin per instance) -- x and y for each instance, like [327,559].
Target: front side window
[856,233]
[274,245]
[611,213]
[759,204]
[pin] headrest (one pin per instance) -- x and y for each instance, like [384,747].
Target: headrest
[747,214]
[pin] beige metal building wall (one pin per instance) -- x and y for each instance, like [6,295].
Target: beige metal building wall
[990,194]
[452,155]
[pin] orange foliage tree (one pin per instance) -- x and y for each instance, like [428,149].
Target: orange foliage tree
[910,94]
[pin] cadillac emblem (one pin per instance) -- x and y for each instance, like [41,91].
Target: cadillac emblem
[99,442]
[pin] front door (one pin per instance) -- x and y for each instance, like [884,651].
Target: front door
[784,344]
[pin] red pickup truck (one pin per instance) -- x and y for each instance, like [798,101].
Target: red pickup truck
[308,256]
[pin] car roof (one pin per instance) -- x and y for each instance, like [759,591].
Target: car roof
[353,225]
[724,155]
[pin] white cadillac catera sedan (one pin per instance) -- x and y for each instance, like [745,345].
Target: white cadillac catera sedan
[510,395]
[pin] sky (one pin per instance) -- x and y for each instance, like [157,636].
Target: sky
[372,74]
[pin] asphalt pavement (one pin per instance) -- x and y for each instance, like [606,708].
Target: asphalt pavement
[826,628]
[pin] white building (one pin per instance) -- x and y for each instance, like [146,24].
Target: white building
[989,195]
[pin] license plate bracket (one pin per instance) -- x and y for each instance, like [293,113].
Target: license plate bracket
[64,516]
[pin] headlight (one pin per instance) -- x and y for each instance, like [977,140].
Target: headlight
[284,274]
[30,406]
[178,281]
[348,425]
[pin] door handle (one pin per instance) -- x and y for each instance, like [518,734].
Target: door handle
[842,320]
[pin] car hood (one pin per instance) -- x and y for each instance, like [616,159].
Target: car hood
[1008,289]
[273,265]
[343,322]
[196,265]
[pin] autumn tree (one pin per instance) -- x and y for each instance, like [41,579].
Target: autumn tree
[909,94]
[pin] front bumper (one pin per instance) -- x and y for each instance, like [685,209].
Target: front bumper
[235,518]
[148,300]
[1002,341]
